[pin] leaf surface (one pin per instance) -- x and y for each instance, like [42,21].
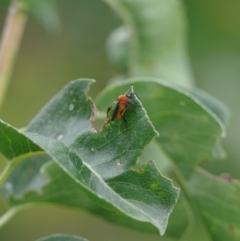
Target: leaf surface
[153,40]
[188,130]
[58,187]
[101,165]
[68,115]
[14,143]
[218,200]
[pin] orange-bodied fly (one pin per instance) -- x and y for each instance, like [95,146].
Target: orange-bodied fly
[123,102]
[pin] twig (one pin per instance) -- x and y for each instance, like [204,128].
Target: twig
[11,38]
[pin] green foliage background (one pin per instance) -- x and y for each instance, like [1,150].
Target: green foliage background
[47,61]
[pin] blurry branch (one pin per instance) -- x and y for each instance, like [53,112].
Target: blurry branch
[10,41]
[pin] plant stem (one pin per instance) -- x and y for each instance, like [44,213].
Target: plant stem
[11,38]
[7,216]
[11,212]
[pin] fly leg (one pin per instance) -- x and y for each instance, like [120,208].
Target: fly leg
[125,122]
[108,109]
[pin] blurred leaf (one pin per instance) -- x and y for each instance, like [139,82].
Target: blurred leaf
[177,226]
[154,152]
[62,237]
[4,2]
[26,177]
[218,200]
[45,11]
[188,130]
[100,164]
[216,106]
[221,112]
[157,42]
[58,186]
[13,143]
[118,48]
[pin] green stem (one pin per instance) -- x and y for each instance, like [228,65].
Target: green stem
[7,216]
[11,38]
[11,212]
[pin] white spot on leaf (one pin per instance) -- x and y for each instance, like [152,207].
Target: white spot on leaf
[71,107]
[8,186]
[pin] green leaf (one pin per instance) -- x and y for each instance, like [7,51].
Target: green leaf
[62,237]
[100,165]
[26,177]
[45,11]
[154,152]
[58,188]
[218,200]
[176,227]
[221,113]
[157,41]
[68,115]
[189,131]
[217,107]
[13,143]
[4,2]
[118,48]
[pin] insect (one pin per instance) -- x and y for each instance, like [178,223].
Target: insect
[123,101]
